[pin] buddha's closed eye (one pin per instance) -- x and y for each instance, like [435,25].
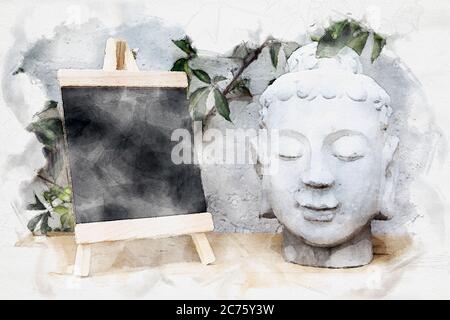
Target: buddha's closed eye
[290,148]
[349,148]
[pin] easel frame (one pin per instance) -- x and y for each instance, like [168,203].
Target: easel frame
[120,69]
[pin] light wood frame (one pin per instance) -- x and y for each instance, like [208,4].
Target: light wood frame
[120,69]
[106,78]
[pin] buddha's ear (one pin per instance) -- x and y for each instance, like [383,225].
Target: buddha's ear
[259,158]
[259,153]
[266,208]
[388,179]
[254,152]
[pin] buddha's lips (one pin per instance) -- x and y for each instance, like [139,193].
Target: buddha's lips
[319,207]
[318,213]
[316,200]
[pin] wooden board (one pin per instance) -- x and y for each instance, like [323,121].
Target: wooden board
[133,229]
[123,78]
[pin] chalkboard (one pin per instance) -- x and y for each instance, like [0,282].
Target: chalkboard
[118,124]
[119,150]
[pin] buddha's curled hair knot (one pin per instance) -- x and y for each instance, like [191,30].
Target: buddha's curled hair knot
[309,78]
[305,58]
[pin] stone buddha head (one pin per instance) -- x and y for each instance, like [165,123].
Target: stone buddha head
[333,158]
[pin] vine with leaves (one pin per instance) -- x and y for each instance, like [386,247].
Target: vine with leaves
[57,200]
[343,33]
[237,86]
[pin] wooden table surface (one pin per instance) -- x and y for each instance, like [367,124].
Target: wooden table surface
[248,266]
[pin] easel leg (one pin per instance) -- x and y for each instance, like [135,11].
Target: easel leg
[82,260]
[203,247]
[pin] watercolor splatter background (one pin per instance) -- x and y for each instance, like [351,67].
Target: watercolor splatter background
[414,68]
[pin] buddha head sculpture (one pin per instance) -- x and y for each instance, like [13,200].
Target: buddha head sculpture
[333,158]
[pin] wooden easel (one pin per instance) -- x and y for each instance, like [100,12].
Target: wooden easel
[119,68]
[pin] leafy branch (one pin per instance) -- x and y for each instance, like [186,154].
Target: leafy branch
[343,33]
[236,88]
[57,200]
[348,33]
[198,99]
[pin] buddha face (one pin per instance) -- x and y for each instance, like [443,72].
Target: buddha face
[331,160]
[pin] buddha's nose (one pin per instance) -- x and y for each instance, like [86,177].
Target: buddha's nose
[318,176]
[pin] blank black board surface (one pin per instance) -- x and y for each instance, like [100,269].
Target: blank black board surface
[119,149]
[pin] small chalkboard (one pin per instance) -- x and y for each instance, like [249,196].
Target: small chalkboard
[120,147]
[118,124]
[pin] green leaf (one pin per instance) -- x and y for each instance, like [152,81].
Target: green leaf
[274,52]
[55,161]
[244,91]
[47,196]
[55,192]
[47,130]
[340,34]
[218,79]
[18,70]
[50,104]
[45,228]
[179,65]
[201,75]
[337,28]
[188,71]
[61,210]
[183,66]
[240,89]
[378,44]
[221,104]
[34,222]
[358,41]
[67,222]
[186,46]
[64,219]
[197,103]
[289,48]
[64,197]
[241,51]
[65,194]
[37,205]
